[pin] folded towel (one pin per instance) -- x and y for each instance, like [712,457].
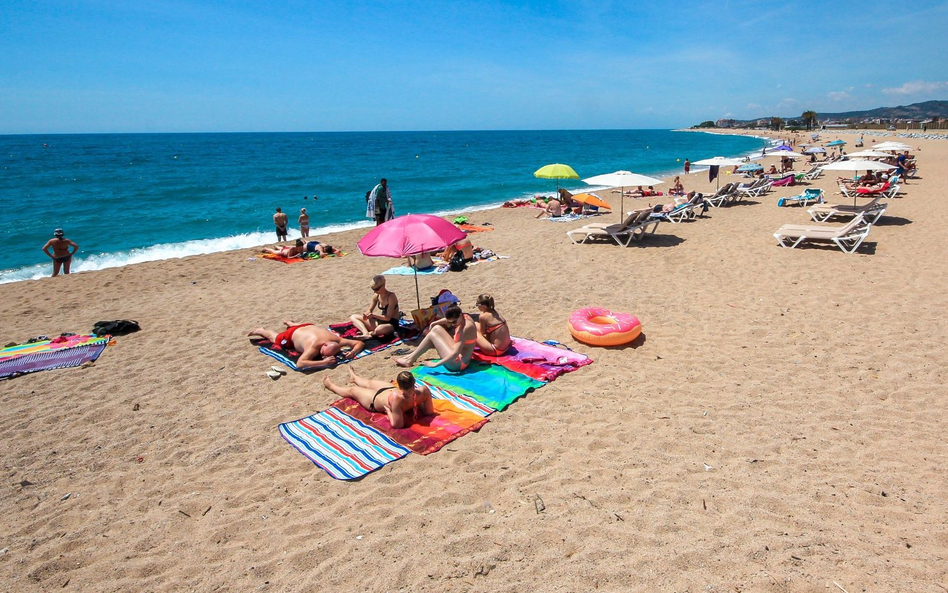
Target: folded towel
[543,362]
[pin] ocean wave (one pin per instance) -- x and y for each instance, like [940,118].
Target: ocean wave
[163,251]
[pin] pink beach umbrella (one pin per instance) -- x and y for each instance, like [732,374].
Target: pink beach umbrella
[412,234]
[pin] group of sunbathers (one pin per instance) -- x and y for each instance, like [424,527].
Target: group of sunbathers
[454,338]
[299,249]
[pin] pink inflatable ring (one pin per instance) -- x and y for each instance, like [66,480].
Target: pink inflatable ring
[602,327]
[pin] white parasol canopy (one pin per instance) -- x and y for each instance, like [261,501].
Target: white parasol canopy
[869,154]
[857,165]
[721,161]
[622,180]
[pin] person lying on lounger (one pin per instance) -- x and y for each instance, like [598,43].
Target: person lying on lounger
[493,335]
[318,346]
[381,318]
[455,351]
[287,250]
[401,400]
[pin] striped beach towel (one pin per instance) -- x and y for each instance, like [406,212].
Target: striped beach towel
[344,447]
[47,355]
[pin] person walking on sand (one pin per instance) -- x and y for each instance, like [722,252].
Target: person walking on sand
[61,256]
[282,222]
[378,203]
[304,223]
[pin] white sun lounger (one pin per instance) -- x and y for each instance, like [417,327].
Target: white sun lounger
[634,227]
[871,212]
[847,237]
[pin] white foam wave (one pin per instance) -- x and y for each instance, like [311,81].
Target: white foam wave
[101,261]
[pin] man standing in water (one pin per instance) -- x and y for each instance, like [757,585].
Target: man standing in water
[281,221]
[61,256]
[378,203]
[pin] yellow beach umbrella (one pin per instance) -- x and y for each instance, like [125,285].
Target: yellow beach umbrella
[556,171]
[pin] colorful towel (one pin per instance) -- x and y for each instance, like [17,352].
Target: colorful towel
[345,330]
[343,446]
[286,260]
[409,271]
[543,362]
[424,435]
[45,356]
[472,228]
[491,385]
[54,344]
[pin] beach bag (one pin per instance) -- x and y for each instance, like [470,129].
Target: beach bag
[119,327]
[457,263]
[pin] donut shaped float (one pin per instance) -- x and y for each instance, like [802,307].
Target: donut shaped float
[602,327]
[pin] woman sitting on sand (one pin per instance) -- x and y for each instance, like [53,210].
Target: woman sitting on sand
[677,187]
[464,246]
[493,335]
[400,399]
[372,324]
[422,261]
[455,351]
[286,251]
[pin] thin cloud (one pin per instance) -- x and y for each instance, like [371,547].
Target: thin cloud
[918,87]
[839,96]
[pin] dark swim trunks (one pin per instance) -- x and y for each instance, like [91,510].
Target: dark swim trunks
[284,339]
[64,259]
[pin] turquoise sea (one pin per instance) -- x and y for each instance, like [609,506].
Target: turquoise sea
[128,198]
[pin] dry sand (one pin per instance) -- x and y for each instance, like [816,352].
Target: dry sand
[781,426]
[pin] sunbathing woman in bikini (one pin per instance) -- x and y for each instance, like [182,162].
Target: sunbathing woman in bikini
[455,352]
[493,335]
[400,399]
[287,251]
[372,324]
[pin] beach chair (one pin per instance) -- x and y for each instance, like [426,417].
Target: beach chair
[720,197]
[786,180]
[685,211]
[847,237]
[871,212]
[808,195]
[814,172]
[888,190]
[759,187]
[634,227]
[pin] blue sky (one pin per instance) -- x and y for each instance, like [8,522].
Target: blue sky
[179,66]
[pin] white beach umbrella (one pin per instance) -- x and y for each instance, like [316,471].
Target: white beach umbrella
[720,161]
[896,146]
[786,153]
[622,180]
[857,165]
[863,154]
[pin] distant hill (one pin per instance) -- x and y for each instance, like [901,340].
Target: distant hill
[915,112]
[924,110]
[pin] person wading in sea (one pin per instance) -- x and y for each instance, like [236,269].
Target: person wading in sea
[61,256]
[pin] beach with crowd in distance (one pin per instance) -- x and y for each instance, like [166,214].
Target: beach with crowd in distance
[779,425]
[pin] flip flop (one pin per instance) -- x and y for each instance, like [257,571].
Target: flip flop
[277,369]
[274,375]
[401,351]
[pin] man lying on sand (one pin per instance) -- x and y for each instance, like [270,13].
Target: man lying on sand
[400,399]
[318,346]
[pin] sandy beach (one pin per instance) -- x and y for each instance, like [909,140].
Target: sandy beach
[780,426]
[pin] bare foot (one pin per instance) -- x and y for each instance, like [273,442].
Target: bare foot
[327,383]
[254,332]
[403,361]
[352,375]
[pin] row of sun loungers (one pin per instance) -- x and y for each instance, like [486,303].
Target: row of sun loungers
[847,237]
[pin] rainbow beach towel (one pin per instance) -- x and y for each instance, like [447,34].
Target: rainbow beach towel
[46,355]
[543,362]
[490,385]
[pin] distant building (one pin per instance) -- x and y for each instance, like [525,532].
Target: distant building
[726,123]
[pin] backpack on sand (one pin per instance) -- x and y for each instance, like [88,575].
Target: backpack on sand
[119,327]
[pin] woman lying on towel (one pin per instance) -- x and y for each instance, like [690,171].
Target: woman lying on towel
[455,351]
[493,335]
[400,399]
[287,251]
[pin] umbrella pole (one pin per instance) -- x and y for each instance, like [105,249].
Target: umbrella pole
[622,204]
[417,294]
